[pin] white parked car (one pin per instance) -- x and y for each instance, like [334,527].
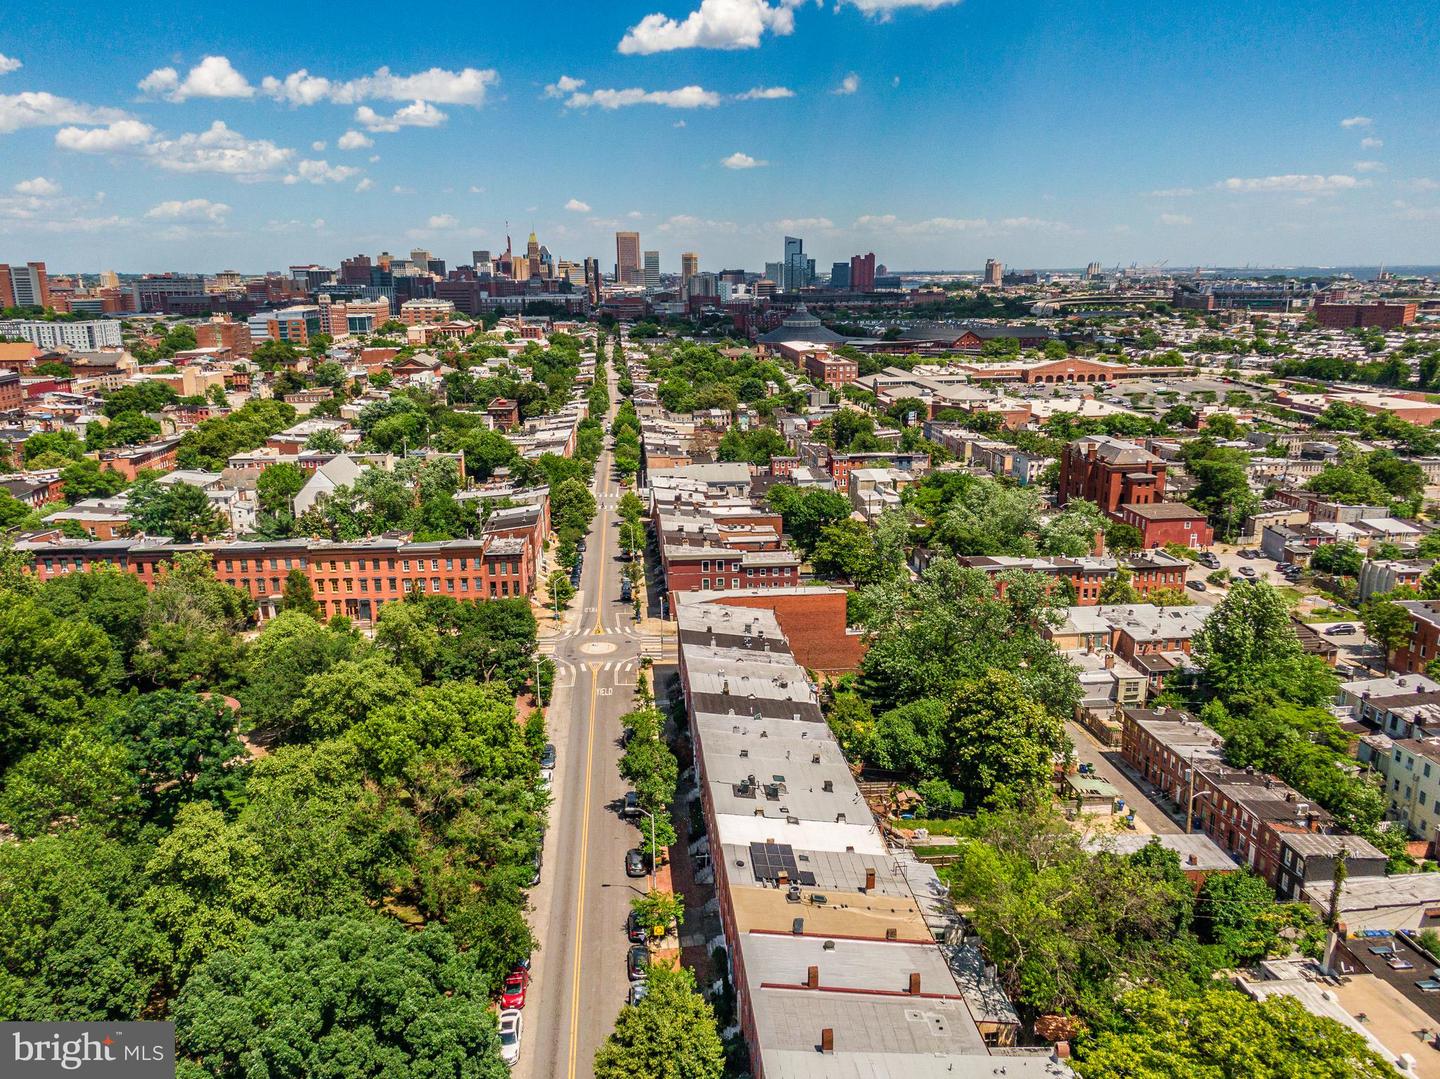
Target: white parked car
[511,1020]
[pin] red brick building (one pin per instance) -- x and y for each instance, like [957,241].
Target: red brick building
[1111,473]
[1423,645]
[351,579]
[1087,576]
[824,366]
[12,394]
[129,462]
[1380,315]
[1168,522]
[813,619]
[223,333]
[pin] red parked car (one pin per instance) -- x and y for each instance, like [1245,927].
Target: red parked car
[513,994]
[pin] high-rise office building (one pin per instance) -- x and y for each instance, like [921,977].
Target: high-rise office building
[689,267]
[704,284]
[652,269]
[994,272]
[775,272]
[862,272]
[797,268]
[627,258]
[840,275]
[24,286]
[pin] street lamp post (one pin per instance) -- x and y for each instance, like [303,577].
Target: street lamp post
[652,845]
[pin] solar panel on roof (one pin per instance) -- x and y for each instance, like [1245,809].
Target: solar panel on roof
[769,860]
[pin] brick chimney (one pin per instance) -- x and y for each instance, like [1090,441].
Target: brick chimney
[914,989]
[827,1040]
[812,978]
[1062,1050]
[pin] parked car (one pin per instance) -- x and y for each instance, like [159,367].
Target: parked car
[1198,586]
[634,930]
[625,590]
[637,963]
[512,994]
[511,1021]
[1344,629]
[635,862]
[547,756]
[1246,571]
[630,809]
[536,878]
[1248,552]
[637,992]
[1208,559]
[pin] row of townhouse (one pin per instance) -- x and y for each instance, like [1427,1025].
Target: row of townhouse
[1284,837]
[846,956]
[1148,571]
[354,579]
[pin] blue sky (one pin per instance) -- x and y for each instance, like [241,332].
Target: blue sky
[936,134]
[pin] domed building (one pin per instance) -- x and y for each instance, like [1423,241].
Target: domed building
[801,327]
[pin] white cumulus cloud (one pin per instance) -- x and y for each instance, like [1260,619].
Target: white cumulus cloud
[467,86]
[120,135]
[188,210]
[1356,121]
[562,86]
[576,206]
[1369,166]
[1175,219]
[883,9]
[442,221]
[1371,143]
[766,93]
[9,64]
[38,186]
[213,76]
[737,160]
[1311,183]
[321,172]
[716,24]
[687,97]
[416,114]
[365,184]
[354,140]
[36,108]
[848,85]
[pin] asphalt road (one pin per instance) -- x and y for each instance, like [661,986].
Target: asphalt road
[578,974]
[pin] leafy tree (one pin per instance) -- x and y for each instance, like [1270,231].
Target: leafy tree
[1341,559]
[62,443]
[670,1034]
[75,941]
[191,624]
[299,594]
[86,479]
[658,911]
[182,748]
[1349,484]
[999,741]
[277,487]
[1119,589]
[806,513]
[845,549]
[1222,487]
[337,698]
[1123,538]
[292,647]
[953,625]
[560,589]
[340,996]
[1222,1032]
[572,507]
[1071,534]
[109,598]
[84,778]
[181,511]
[1387,624]
[1248,647]
[325,441]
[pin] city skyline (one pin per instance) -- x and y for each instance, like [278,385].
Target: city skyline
[719,128]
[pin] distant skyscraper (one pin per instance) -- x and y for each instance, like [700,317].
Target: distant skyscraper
[24,286]
[689,267]
[704,284]
[110,279]
[652,269]
[592,279]
[796,272]
[994,272]
[775,271]
[1092,271]
[627,258]
[840,275]
[862,272]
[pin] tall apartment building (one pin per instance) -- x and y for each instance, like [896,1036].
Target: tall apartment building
[222,332]
[652,269]
[355,271]
[994,272]
[86,336]
[24,286]
[775,271]
[627,258]
[293,325]
[862,272]
[689,267]
[798,270]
